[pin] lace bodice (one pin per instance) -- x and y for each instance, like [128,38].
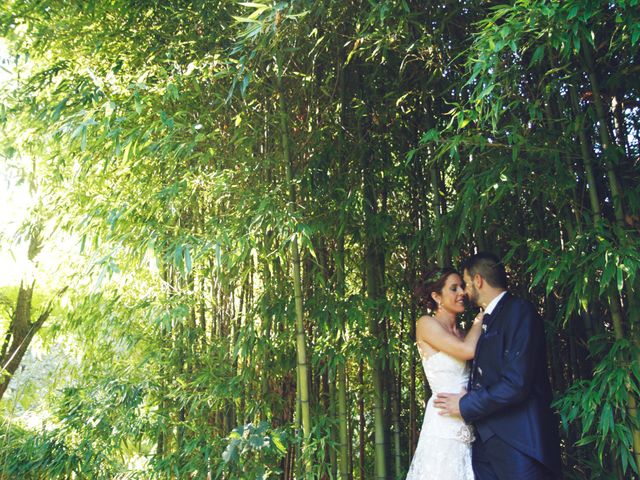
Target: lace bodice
[444,448]
[445,373]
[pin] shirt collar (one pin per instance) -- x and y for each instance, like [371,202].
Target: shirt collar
[493,303]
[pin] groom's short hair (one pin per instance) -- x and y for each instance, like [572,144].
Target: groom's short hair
[488,266]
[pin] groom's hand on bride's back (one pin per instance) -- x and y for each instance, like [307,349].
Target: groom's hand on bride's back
[449,403]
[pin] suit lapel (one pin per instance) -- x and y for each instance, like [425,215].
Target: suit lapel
[492,318]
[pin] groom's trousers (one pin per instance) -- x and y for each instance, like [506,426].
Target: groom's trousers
[495,459]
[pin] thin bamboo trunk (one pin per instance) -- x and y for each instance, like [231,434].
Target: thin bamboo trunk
[333,413]
[378,393]
[362,422]
[413,405]
[301,349]
[351,432]
[345,460]
[299,467]
[395,410]
[610,156]
[379,422]
[374,287]
[417,182]
[437,197]
[609,151]
[266,354]
[341,381]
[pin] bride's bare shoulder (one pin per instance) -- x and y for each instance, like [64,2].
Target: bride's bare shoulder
[424,319]
[426,323]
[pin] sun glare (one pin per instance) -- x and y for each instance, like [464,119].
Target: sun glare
[15,201]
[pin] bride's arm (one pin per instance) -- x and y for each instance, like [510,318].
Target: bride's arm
[474,332]
[428,330]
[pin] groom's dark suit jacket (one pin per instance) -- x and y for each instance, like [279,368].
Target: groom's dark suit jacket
[509,391]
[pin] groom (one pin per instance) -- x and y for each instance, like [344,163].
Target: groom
[509,394]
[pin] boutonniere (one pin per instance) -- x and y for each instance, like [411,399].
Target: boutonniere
[484,328]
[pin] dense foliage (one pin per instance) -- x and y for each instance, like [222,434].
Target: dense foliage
[255,187]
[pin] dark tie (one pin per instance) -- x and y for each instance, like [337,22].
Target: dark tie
[485,321]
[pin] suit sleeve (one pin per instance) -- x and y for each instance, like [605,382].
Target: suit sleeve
[523,337]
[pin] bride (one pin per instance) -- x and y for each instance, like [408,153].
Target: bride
[444,446]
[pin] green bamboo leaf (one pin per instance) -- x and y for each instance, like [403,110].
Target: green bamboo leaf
[620,279]
[127,151]
[430,136]
[258,6]
[485,91]
[540,273]
[83,143]
[178,257]
[607,275]
[246,19]
[55,116]
[606,420]
[187,259]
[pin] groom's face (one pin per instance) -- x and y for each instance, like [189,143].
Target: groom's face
[470,289]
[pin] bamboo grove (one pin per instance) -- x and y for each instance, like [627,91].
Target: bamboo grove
[254,189]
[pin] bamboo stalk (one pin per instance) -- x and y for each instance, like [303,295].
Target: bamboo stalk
[343,440]
[303,367]
[395,409]
[373,293]
[362,422]
[614,186]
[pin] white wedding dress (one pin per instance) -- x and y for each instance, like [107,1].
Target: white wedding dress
[444,446]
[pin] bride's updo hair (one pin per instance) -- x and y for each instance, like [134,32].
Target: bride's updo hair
[432,282]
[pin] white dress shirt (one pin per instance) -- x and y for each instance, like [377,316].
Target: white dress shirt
[493,303]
